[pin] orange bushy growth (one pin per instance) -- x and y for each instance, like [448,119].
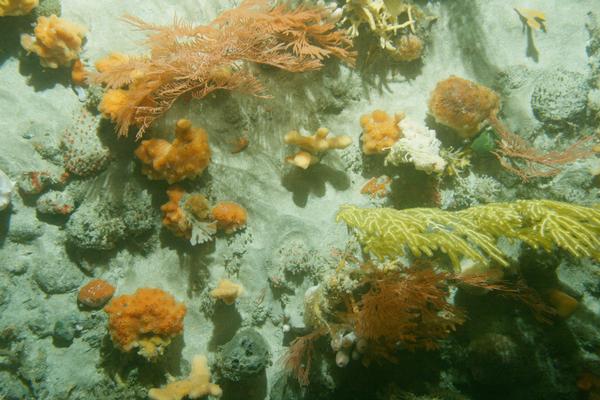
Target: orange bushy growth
[196,60]
[229,216]
[463,105]
[409,307]
[380,131]
[142,316]
[174,218]
[186,157]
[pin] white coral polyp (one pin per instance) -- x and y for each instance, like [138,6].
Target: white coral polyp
[418,146]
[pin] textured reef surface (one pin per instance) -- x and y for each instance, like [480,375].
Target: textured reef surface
[300,200]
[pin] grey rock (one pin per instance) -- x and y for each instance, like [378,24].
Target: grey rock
[11,387]
[102,223]
[24,227]
[55,203]
[57,274]
[65,330]
[560,95]
[245,355]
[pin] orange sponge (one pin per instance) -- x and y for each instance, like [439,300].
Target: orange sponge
[147,319]
[186,157]
[57,41]
[463,105]
[229,216]
[380,131]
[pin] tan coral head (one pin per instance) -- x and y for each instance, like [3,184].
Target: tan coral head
[227,291]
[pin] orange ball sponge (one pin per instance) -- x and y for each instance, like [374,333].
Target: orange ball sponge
[230,216]
[463,105]
[186,157]
[148,319]
[95,293]
[380,131]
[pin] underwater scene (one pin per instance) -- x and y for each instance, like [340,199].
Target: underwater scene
[300,200]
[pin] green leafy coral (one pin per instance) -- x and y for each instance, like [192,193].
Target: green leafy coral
[473,233]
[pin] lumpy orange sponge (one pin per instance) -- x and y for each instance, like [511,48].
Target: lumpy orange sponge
[463,105]
[57,41]
[229,216]
[186,157]
[16,7]
[380,131]
[147,319]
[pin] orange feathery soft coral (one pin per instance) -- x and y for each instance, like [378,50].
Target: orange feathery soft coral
[148,319]
[380,131]
[230,216]
[196,60]
[57,41]
[188,216]
[186,157]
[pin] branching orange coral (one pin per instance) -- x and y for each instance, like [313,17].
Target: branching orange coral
[57,41]
[147,319]
[188,215]
[408,307]
[186,157]
[467,107]
[229,216]
[380,131]
[196,60]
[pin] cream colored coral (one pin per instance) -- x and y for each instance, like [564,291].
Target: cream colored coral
[17,7]
[227,291]
[195,386]
[57,41]
[313,146]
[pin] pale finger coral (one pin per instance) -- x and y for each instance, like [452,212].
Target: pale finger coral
[57,41]
[314,146]
[195,386]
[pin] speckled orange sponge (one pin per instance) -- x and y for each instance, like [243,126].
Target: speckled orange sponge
[147,319]
[463,105]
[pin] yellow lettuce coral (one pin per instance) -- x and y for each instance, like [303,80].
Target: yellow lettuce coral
[57,41]
[473,233]
[17,7]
